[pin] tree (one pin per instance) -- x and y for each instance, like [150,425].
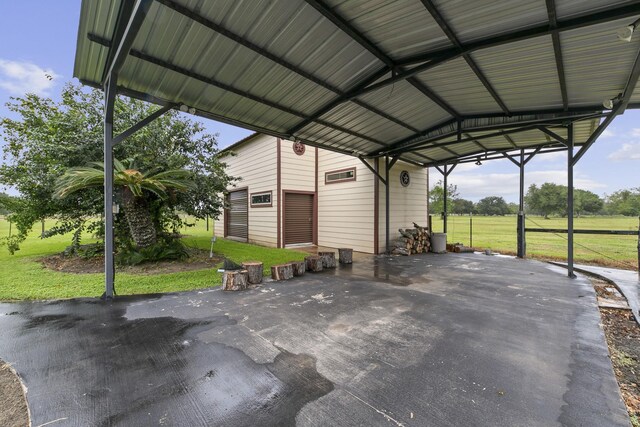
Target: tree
[514,208]
[138,191]
[546,200]
[8,204]
[552,199]
[492,205]
[47,138]
[586,202]
[436,197]
[462,206]
[624,202]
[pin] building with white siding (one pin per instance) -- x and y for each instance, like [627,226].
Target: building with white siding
[292,194]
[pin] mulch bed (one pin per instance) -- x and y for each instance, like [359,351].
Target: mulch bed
[198,260]
[13,404]
[623,337]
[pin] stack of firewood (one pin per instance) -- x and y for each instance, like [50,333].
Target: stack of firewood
[412,241]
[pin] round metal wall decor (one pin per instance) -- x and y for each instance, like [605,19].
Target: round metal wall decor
[298,148]
[405,179]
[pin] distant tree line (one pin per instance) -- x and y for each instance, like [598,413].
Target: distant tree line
[547,199]
[8,204]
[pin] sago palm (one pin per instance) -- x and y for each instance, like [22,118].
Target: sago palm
[134,184]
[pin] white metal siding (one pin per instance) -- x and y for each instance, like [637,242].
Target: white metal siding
[255,162]
[407,204]
[345,209]
[298,172]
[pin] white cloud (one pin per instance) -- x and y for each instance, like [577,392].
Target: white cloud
[551,157]
[635,132]
[476,186]
[628,151]
[20,77]
[608,133]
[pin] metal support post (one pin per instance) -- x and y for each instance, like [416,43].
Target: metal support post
[109,266]
[570,163]
[444,209]
[386,188]
[522,250]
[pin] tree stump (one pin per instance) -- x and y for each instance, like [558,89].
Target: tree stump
[298,268]
[255,271]
[281,272]
[235,280]
[328,259]
[313,263]
[345,255]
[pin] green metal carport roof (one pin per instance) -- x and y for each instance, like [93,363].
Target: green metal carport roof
[434,81]
[431,82]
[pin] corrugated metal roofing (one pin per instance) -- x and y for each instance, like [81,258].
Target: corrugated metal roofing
[295,68]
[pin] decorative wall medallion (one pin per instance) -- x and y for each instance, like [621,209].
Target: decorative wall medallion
[405,179]
[298,148]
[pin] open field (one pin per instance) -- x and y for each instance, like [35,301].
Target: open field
[499,234]
[23,277]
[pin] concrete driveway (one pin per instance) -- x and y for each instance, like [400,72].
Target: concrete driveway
[438,340]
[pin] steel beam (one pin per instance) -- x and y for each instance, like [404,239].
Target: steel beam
[594,136]
[570,164]
[495,155]
[623,103]
[373,171]
[511,159]
[387,205]
[414,139]
[433,97]
[274,58]
[445,171]
[188,73]
[124,13]
[521,249]
[361,39]
[433,143]
[608,14]
[128,36]
[536,151]
[557,51]
[510,141]
[142,123]
[434,58]
[109,265]
[448,31]
[553,135]
[341,99]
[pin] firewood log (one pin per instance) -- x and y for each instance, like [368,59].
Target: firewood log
[328,259]
[299,267]
[345,255]
[235,280]
[313,263]
[281,272]
[254,270]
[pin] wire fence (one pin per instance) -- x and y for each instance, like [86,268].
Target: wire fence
[498,233]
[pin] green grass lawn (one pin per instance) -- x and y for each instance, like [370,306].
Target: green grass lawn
[23,277]
[499,234]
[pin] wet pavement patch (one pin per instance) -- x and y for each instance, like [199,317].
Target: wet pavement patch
[112,371]
[464,340]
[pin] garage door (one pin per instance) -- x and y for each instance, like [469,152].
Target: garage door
[237,215]
[298,218]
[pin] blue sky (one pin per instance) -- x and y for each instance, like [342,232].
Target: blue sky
[38,37]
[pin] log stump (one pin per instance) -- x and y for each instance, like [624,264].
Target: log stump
[235,280]
[298,268]
[328,259]
[345,255]
[254,269]
[281,272]
[313,263]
